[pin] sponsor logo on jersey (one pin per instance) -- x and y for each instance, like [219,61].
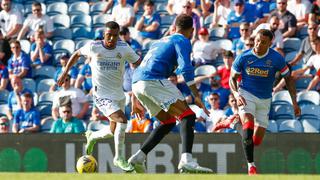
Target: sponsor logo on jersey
[252,71]
[118,56]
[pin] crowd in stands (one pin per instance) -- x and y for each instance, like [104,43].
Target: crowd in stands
[37,38]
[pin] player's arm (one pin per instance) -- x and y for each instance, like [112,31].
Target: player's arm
[234,87]
[73,59]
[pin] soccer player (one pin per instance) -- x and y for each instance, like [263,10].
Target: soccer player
[162,98]
[253,94]
[108,58]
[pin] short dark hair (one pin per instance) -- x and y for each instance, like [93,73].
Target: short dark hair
[112,25]
[184,22]
[228,54]
[124,30]
[27,95]
[149,3]
[36,3]
[14,41]
[266,32]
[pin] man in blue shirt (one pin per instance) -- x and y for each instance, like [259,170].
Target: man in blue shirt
[19,64]
[41,50]
[163,99]
[257,68]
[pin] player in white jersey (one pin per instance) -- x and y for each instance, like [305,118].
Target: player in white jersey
[107,63]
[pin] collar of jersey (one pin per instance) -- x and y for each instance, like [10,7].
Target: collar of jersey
[258,55]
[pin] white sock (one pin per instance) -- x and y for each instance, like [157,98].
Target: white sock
[186,157]
[251,164]
[119,137]
[101,134]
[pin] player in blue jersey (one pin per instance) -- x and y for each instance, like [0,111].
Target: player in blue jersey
[162,98]
[253,94]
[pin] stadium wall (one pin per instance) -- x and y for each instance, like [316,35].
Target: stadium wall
[280,153]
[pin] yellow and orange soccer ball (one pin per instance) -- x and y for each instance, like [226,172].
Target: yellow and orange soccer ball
[87,164]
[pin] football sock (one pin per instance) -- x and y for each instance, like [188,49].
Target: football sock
[247,142]
[101,134]
[251,164]
[119,137]
[187,132]
[156,136]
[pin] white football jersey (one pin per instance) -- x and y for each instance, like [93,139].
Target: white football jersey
[107,67]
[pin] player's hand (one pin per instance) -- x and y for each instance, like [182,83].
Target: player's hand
[137,110]
[297,110]
[62,78]
[241,101]
[199,103]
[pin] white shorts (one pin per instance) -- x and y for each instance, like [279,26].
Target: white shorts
[259,108]
[156,95]
[108,106]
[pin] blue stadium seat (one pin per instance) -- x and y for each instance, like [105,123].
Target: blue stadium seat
[83,42]
[61,21]
[225,44]
[80,21]
[216,33]
[282,112]
[45,110]
[61,33]
[97,8]
[289,56]
[46,124]
[25,45]
[19,7]
[44,85]
[281,97]
[161,8]
[29,84]
[272,127]
[311,125]
[3,109]
[303,83]
[81,33]
[291,44]
[97,125]
[100,20]
[205,70]
[35,98]
[4,96]
[303,32]
[308,98]
[166,21]
[290,126]
[57,8]
[46,98]
[79,8]
[44,72]
[64,46]
[310,112]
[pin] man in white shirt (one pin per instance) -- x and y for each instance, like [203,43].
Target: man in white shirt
[107,63]
[35,21]
[123,14]
[10,20]
[300,9]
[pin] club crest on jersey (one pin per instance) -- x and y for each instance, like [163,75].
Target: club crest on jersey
[269,63]
[118,56]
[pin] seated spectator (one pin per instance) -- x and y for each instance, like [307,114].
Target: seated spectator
[123,14]
[110,4]
[232,110]
[4,125]
[139,126]
[300,9]
[41,50]
[36,21]
[314,15]
[134,44]
[238,44]
[5,51]
[273,25]
[288,22]
[11,20]
[80,104]
[222,9]
[73,72]
[4,77]
[205,7]
[248,43]
[314,82]
[149,23]
[67,123]
[224,71]
[27,118]
[204,51]
[84,80]
[19,64]
[14,101]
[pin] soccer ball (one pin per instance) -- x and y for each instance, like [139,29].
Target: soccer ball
[87,164]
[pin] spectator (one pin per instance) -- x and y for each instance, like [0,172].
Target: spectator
[138,5]
[110,4]
[187,9]
[314,81]
[238,44]
[5,51]
[14,101]
[73,72]
[4,77]
[4,125]
[288,22]
[80,104]
[41,50]
[84,80]
[149,23]
[206,7]
[19,64]
[67,123]
[248,43]
[300,9]
[10,20]
[36,21]
[314,15]
[222,9]
[125,36]
[225,70]
[204,50]
[123,14]
[139,125]
[273,26]
[263,10]
[27,118]
[231,111]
